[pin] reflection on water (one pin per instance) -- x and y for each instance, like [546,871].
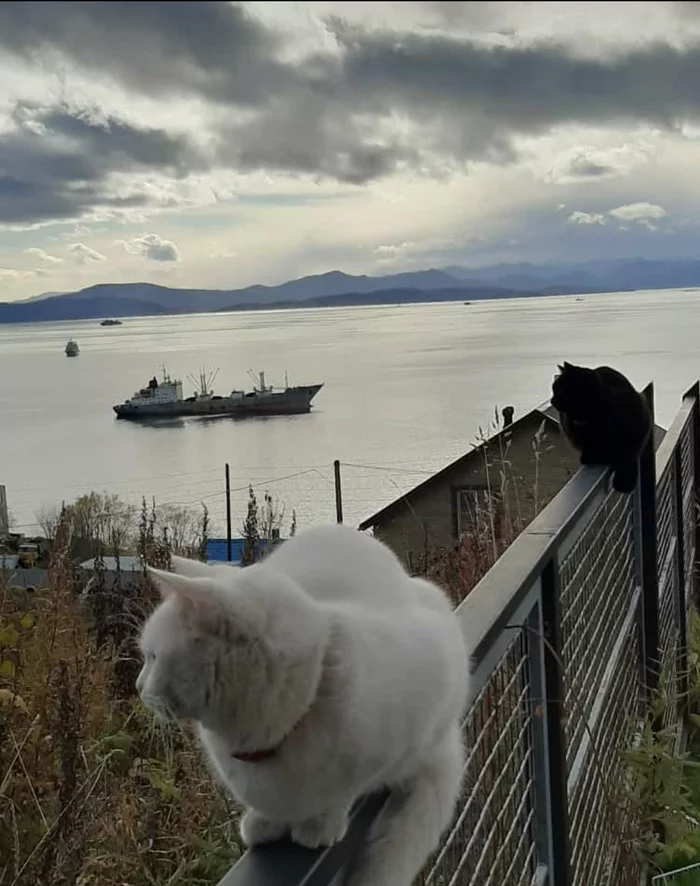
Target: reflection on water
[406,389]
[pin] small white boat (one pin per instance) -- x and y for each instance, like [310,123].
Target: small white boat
[72,349]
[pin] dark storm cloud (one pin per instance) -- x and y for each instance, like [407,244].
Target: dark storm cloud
[517,88]
[55,164]
[208,48]
[581,167]
[327,115]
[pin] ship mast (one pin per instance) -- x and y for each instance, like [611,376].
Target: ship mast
[203,382]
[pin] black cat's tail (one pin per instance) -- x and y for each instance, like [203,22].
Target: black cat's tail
[625,476]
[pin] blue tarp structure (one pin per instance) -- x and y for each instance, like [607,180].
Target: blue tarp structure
[216,549]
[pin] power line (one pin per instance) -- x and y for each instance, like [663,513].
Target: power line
[175,475]
[200,498]
[390,470]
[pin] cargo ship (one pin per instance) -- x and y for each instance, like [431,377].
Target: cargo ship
[160,399]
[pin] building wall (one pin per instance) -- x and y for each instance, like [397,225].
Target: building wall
[428,520]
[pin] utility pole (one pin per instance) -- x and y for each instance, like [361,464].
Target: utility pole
[338,493]
[228,514]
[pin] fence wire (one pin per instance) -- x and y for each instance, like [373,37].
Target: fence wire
[597,583]
[491,842]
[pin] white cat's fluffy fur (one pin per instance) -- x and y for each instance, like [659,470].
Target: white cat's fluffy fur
[329,653]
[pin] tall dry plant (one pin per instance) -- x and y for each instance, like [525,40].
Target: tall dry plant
[92,790]
[509,503]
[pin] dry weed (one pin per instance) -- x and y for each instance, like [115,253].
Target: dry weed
[91,789]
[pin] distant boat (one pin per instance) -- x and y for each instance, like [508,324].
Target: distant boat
[111,323]
[72,349]
[165,399]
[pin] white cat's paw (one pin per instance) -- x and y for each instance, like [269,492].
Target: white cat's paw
[256,829]
[321,830]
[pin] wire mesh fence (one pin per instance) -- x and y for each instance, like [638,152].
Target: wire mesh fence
[566,628]
[603,638]
[492,840]
[598,581]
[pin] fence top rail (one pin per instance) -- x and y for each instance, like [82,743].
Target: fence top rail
[287,864]
[487,609]
[667,447]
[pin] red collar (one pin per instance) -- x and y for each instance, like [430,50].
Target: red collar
[268,753]
[256,756]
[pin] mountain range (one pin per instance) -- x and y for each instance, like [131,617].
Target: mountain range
[336,288]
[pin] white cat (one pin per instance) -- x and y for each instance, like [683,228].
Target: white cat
[317,676]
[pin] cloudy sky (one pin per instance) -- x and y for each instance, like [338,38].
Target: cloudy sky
[220,144]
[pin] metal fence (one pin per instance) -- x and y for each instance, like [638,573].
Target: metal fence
[572,629]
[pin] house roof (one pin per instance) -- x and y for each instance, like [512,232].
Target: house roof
[539,413]
[545,411]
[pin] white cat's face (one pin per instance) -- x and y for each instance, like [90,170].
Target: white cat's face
[222,641]
[177,661]
[182,650]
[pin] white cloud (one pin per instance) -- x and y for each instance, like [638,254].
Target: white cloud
[84,254]
[151,247]
[641,213]
[44,256]
[586,218]
[410,250]
[14,274]
[638,212]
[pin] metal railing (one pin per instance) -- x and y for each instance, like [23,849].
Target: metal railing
[571,631]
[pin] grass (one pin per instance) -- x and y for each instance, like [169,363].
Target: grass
[92,790]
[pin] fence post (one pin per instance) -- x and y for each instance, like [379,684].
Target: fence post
[682,650]
[555,739]
[338,492]
[694,394]
[649,572]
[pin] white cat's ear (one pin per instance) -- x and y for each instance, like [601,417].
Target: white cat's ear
[196,597]
[189,568]
[173,583]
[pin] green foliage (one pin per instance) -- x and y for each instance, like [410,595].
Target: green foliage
[264,522]
[251,530]
[664,790]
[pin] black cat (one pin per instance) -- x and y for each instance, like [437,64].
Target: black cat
[604,418]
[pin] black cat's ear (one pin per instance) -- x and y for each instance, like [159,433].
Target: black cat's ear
[567,365]
[560,367]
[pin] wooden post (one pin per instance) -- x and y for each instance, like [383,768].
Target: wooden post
[338,493]
[228,514]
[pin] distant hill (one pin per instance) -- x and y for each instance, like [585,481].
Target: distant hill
[609,275]
[137,299]
[79,309]
[398,296]
[335,287]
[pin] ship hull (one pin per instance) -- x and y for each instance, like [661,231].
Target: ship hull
[293,401]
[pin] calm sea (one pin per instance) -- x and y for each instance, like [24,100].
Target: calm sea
[406,391]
